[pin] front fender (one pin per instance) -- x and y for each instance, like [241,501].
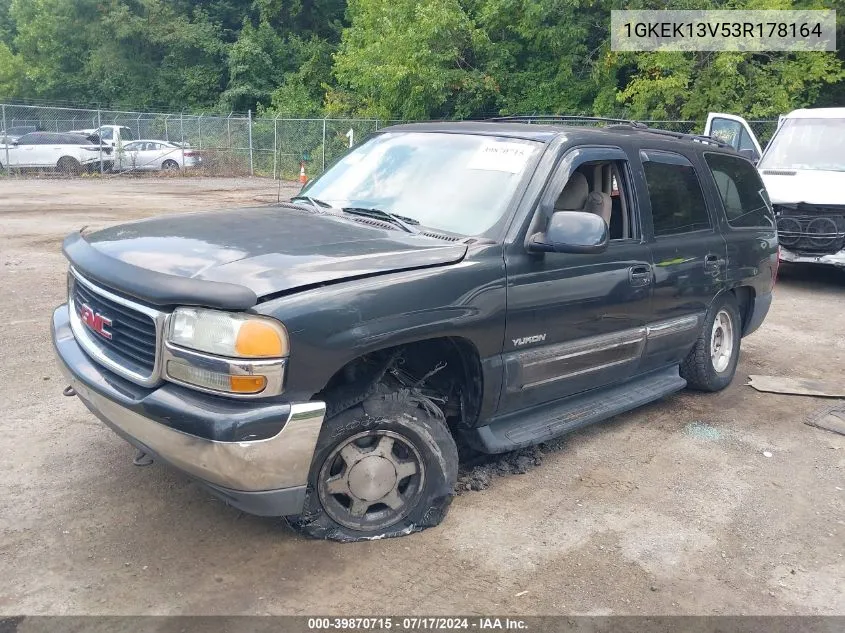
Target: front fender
[332,325]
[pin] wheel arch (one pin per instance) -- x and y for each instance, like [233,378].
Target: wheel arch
[745,296]
[462,377]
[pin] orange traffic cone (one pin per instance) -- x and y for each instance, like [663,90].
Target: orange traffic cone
[302,177]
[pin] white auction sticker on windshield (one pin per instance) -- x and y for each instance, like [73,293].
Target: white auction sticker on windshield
[501,156]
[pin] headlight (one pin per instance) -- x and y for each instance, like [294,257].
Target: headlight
[226,353]
[226,334]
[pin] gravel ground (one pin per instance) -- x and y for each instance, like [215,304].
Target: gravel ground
[672,509]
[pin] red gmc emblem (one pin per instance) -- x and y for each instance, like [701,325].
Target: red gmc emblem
[95,321]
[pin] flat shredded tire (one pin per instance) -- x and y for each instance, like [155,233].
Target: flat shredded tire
[381,469]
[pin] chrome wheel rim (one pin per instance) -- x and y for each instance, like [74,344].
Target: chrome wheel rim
[371,480]
[722,341]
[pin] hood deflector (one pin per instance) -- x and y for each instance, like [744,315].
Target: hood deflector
[151,286]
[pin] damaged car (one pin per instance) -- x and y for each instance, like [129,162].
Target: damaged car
[803,168]
[485,286]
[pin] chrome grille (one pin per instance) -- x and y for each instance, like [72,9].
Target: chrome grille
[132,349]
[133,333]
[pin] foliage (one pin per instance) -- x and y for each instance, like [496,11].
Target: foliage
[391,59]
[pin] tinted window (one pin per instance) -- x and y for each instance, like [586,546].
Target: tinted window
[64,139]
[41,138]
[677,202]
[132,147]
[742,192]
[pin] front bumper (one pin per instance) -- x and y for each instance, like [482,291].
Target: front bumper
[833,259]
[262,476]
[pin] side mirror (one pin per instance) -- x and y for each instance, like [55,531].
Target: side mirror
[571,232]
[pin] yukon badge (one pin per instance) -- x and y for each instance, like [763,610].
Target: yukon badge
[525,340]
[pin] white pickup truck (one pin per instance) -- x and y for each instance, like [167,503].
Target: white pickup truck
[803,168]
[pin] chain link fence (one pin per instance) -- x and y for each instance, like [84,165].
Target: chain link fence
[221,145]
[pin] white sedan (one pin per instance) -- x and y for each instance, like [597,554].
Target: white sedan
[155,155]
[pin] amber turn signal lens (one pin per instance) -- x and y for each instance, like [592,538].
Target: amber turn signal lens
[247,384]
[258,339]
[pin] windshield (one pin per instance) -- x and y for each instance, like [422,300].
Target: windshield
[807,144]
[458,183]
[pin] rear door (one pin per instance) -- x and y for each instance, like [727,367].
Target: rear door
[157,153]
[735,131]
[689,252]
[748,223]
[144,155]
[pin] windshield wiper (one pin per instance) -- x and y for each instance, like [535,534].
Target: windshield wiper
[315,202]
[401,221]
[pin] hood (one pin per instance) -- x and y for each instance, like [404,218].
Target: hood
[266,250]
[813,186]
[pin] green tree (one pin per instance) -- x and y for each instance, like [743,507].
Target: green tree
[541,53]
[409,59]
[256,63]
[12,74]
[53,39]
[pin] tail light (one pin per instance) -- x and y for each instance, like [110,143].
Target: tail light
[189,154]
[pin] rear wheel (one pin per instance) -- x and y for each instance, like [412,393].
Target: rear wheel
[380,475]
[69,165]
[169,165]
[711,364]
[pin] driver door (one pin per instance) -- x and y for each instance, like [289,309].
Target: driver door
[577,321]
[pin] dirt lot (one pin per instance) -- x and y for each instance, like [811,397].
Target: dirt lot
[672,509]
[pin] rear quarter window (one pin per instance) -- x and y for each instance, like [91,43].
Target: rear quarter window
[741,190]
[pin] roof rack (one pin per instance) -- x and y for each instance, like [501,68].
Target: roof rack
[617,123]
[540,118]
[698,138]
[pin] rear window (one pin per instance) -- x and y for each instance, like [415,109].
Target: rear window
[742,191]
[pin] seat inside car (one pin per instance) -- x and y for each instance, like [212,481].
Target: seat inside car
[577,196]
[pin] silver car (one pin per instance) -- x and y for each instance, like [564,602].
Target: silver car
[145,155]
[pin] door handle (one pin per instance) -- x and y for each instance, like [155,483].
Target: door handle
[639,275]
[713,263]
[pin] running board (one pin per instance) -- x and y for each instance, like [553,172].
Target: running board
[520,429]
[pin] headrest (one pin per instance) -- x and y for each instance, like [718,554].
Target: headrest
[601,204]
[574,194]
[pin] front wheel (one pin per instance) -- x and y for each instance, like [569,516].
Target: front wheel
[711,364]
[388,473]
